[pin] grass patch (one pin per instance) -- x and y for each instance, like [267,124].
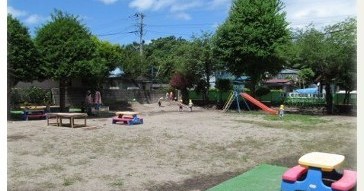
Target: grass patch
[117,183]
[50,168]
[289,121]
[305,119]
[68,181]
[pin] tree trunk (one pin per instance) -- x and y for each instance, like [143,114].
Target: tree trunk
[347,97]
[329,99]
[185,96]
[208,73]
[62,94]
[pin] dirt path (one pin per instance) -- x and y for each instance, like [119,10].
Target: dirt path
[171,151]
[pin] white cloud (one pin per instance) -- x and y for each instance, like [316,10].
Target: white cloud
[160,4]
[108,2]
[219,3]
[185,6]
[177,8]
[142,4]
[301,13]
[183,16]
[34,19]
[15,12]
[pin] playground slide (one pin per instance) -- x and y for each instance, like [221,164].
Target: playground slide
[259,104]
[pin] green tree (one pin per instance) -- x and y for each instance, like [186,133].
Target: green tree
[305,75]
[343,39]
[164,54]
[134,65]
[201,57]
[24,61]
[107,57]
[67,48]
[331,54]
[252,39]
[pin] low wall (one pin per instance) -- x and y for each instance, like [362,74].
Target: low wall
[76,96]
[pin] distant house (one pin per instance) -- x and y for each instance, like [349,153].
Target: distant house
[286,85]
[227,75]
[284,80]
[288,74]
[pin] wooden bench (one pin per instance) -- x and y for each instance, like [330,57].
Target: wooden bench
[70,116]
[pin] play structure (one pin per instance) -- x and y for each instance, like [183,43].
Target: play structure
[127,117]
[259,104]
[234,96]
[33,112]
[317,171]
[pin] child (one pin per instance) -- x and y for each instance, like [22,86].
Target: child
[190,104]
[281,111]
[180,104]
[88,102]
[160,102]
[98,101]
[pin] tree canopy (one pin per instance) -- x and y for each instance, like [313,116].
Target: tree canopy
[67,49]
[330,54]
[107,57]
[24,61]
[252,38]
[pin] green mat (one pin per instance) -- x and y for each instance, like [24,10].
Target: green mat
[262,178]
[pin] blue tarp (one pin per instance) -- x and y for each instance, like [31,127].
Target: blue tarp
[306,91]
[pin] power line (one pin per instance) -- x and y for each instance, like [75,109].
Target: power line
[140,30]
[112,34]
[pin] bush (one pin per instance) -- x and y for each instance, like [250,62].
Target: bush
[223,85]
[261,91]
[30,96]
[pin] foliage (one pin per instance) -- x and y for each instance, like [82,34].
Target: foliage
[331,54]
[30,96]
[133,64]
[24,61]
[202,62]
[303,102]
[107,57]
[179,81]
[252,39]
[66,45]
[223,85]
[305,75]
[262,90]
[165,55]
[67,49]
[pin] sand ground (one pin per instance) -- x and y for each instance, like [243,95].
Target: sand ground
[171,151]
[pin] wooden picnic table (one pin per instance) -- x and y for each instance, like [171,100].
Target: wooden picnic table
[70,116]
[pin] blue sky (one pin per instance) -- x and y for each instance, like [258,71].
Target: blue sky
[114,21]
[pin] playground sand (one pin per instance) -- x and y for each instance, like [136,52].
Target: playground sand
[172,150]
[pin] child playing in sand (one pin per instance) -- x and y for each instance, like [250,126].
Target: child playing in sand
[160,102]
[190,104]
[180,105]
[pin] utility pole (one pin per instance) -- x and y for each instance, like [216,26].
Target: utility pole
[140,30]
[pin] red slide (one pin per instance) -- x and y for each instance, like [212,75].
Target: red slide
[259,104]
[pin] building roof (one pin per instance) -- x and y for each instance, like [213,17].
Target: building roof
[278,81]
[289,71]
